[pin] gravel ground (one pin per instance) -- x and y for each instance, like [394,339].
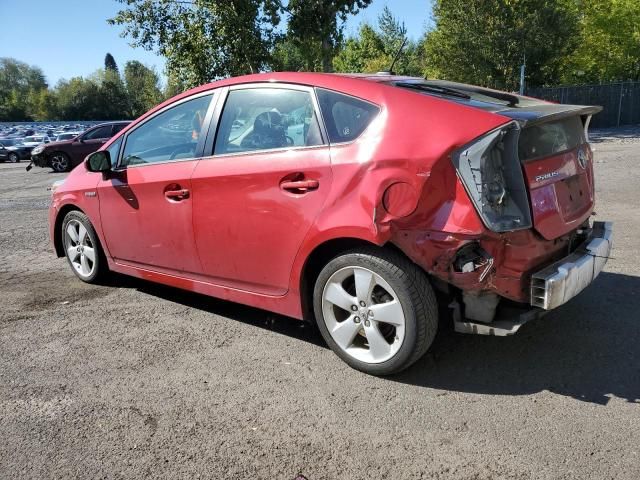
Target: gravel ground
[135,380]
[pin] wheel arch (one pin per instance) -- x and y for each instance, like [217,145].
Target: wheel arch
[321,255]
[57,229]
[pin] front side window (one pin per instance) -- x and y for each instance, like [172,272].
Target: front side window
[170,135]
[267,118]
[345,117]
[100,132]
[114,150]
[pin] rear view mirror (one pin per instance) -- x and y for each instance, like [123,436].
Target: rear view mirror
[99,162]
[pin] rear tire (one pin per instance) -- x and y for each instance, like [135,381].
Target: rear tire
[82,248]
[14,158]
[60,162]
[376,310]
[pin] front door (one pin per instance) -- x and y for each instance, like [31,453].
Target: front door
[90,141]
[146,202]
[256,197]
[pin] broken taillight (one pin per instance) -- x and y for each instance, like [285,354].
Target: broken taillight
[491,173]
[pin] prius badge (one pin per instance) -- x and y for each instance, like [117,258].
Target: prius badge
[546,176]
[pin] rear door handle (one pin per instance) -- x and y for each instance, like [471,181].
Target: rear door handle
[177,195]
[300,186]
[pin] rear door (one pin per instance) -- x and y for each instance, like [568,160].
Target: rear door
[146,203]
[260,189]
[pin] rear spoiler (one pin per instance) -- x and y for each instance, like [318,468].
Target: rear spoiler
[547,112]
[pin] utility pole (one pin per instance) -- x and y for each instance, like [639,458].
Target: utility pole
[522,67]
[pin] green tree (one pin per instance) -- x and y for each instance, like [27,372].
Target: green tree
[110,63]
[78,99]
[364,53]
[486,41]
[296,55]
[203,39]
[20,85]
[374,49]
[320,24]
[113,101]
[143,88]
[609,47]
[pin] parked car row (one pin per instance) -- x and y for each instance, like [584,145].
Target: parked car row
[61,151]
[49,130]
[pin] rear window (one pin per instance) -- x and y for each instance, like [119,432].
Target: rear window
[345,117]
[551,138]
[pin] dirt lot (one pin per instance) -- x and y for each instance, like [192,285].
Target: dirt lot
[135,380]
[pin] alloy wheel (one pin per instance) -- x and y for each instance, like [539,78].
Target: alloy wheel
[363,314]
[13,158]
[80,250]
[59,163]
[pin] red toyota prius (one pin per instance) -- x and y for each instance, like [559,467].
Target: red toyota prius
[358,202]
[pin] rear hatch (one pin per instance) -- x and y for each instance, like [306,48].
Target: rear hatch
[552,147]
[558,168]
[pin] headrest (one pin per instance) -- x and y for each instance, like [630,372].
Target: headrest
[267,123]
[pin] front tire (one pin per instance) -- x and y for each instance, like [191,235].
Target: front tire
[60,162]
[376,310]
[82,247]
[14,158]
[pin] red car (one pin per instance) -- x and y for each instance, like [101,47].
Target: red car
[358,202]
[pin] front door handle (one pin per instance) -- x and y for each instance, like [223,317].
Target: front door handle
[177,195]
[300,186]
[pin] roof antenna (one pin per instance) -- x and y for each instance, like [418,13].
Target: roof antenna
[395,59]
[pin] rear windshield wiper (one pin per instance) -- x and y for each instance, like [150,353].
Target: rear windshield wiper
[433,89]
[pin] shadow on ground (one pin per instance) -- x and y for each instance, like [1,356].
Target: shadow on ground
[242,313]
[588,349]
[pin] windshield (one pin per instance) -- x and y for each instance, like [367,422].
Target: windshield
[33,139]
[10,142]
[66,136]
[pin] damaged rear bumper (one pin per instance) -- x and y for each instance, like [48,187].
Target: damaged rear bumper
[561,281]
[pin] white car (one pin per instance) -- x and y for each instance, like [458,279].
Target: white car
[35,140]
[66,136]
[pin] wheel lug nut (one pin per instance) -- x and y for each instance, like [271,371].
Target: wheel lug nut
[371,313]
[362,304]
[354,307]
[356,319]
[367,323]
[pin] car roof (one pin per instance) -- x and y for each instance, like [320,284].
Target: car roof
[117,122]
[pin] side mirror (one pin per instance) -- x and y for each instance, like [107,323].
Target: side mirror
[99,162]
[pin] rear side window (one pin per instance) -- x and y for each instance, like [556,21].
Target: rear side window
[345,117]
[267,118]
[550,138]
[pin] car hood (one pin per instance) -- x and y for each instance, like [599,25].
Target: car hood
[60,143]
